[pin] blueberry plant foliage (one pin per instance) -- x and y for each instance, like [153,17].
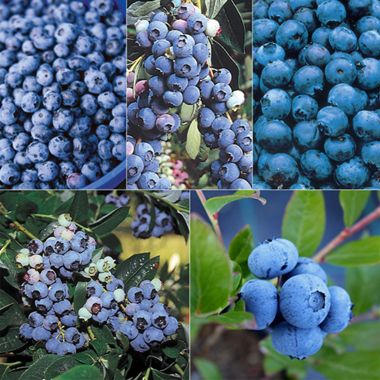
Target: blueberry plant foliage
[84,297]
[217,296]
[316,94]
[189,80]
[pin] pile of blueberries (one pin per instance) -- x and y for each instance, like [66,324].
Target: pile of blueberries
[62,92]
[316,90]
[45,289]
[304,310]
[142,318]
[177,54]
[141,225]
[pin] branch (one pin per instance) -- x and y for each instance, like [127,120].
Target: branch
[346,233]
[213,218]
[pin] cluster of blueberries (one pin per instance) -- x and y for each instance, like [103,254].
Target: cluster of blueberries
[50,264]
[316,90]
[119,200]
[62,92]
[305,310]
[141,317]
[178,51]
[141,225]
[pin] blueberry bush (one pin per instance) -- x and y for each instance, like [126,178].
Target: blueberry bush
[316,94]
[62,93]
[189,95]
[70,307]
[293,297]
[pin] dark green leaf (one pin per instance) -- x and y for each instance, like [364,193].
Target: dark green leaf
[222,58]
[12,374]
[214,205]
[363,284]
[158,375]
[79,207]
[80,295]
[360,252]
[10,341]
[38,369]
[213,7]
[86,357]
[123,340]
[233,29]
[137,268]
[207,369]
[173,349]
[10,311]
[81,372]
[193,141]
[211,276]
[8,260]
[304,221]
[108,223]
[141,10]
[60,366]
[353,203]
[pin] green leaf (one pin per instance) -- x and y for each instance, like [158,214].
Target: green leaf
[363,284]
[104,339]
[38,369]
[241,245]
[173,349]
[214,205]
[141,10]
[363,336]
[8,260]
[359,252]
[60,366]
[353,365]
[10,311]
[353,203]
[10,341]
[304,221]
[193,141]
[233,29]
[80,295]
[233,318]
[207,369]
[79,207]
[137,268]
[158,375]
[211,276]
[213,7]
[108,223]
[81,372]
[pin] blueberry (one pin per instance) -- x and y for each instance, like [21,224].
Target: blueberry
[273,258]
[280,170]
[274,136]
[306,266]
[304,301]
[256,294]
[297,342]
[352,174]
[340,313]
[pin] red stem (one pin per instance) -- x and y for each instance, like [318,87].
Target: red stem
[346,233]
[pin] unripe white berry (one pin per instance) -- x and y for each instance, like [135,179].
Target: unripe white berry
[105,277]
[84,314]
[141,26]
[91,270]
[23,259]
[237,99]
[67,234]
[156,282]
[64,220]
[213,28]
[35,261]
[119,295]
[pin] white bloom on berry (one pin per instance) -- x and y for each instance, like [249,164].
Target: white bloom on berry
[236,100]
[213,28]
[142,26]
